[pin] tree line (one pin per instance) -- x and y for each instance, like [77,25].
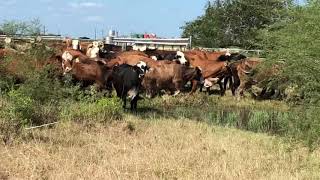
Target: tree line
[14,27]
[235,22]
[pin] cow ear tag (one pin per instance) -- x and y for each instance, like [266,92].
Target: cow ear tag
[77,60]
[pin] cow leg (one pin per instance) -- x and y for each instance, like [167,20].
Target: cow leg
[240,90]
[231,84]
[133,103]
[235,85]
[124,99]
[222,90]
[194,86]
[178,87]
[225,82]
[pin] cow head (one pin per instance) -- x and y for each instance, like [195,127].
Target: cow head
[227,50]
[143,66]
[66,66]
[154,58]
[181,57]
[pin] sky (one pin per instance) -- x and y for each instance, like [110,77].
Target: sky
[80,18]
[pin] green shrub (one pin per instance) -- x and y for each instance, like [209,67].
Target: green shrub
[102,111]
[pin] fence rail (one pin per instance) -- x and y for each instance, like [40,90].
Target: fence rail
[180,43]
[20,37]
[232,50]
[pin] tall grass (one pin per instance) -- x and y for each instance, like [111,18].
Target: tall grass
[272,117]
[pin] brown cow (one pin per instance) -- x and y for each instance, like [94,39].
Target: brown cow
[240,72]
[88,71]
[202,55]
[133,59]
[212,71]
[170,77]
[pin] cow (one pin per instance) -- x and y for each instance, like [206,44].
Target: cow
[93,50]
[241,70]
[202,55]
[88,71]
[70,54]
[133,59]
[161,54]
[170,77]
[126,80]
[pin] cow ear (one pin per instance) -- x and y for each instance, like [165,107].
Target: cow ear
[101,62]
[198,69]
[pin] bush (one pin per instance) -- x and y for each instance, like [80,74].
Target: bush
[294,42]
[103,111]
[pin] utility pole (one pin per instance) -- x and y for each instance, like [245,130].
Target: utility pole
[102,36]
[95,33]
[44,30]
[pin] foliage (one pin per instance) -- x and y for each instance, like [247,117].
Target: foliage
[295,42]
[14,27]
[234,22]
[103,110]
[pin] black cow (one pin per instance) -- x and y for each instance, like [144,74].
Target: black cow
[232,57]
[126,79]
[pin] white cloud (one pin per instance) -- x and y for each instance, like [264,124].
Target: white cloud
[85,5]
[94,19]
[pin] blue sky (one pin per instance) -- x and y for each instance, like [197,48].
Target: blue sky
[79,17]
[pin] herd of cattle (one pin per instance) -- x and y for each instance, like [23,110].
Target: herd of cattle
[152,70]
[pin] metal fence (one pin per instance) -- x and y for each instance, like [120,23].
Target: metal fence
[256,52]
[42,37]
[164,44]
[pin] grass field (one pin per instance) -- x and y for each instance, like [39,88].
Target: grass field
[184,137]
[154,149]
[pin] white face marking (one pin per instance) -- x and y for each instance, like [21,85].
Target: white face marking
[154,58]
[135,48]
[181,58]
[142,65]
[65,69]
[228,52]
[75,44]
[143,48]
[95,43]
[67,56]
[94,52]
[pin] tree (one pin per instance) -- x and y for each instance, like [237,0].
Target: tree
[295,41]
[13,27]
[235,22]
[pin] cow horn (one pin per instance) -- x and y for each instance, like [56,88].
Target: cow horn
[246,72]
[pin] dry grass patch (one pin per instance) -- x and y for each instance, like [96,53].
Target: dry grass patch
[157,149]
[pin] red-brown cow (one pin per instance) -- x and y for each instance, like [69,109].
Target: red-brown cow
[240,71]
[170,77]
[88,71]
